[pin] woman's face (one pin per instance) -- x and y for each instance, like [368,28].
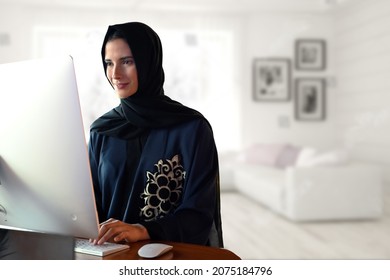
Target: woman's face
[121,70]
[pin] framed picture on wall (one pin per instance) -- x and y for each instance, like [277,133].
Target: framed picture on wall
[310,54]
[271,79]
[310,99]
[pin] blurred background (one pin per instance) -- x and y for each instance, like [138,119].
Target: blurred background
[210,48]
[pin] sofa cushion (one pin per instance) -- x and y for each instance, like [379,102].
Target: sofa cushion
[263,154]
[288,156]
[279,155]
[311,157]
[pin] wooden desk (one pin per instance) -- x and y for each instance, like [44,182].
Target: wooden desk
[180,251]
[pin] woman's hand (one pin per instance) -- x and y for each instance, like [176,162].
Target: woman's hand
[117,231]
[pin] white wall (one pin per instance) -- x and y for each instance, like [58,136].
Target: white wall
[274,35]
[362,47]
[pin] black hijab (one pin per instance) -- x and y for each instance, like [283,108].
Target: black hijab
[148,108]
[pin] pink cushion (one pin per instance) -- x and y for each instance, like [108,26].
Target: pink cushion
[288,156]
[266,154]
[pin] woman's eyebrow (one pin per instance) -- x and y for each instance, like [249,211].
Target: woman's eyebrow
[127,57]
[122,58]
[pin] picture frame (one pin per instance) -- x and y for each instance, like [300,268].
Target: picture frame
[310,99]
[310,54]
[271,79]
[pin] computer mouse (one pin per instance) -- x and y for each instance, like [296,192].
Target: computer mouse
[153,250]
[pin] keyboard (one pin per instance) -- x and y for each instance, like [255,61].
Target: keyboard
[86,247]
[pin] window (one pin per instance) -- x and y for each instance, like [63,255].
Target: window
[199,68]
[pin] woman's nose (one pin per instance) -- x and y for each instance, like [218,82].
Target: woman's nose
[116,73]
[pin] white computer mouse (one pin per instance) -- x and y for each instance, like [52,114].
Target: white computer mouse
[153,250]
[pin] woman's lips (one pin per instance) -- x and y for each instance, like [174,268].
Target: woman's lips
[121,85]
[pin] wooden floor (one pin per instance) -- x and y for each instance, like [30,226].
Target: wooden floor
[254,232]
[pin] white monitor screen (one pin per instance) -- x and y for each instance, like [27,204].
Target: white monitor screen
[45,181]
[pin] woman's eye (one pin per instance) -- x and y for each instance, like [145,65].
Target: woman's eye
[108,63]
[128,61]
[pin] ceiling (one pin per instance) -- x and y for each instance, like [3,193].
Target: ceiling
[190,5]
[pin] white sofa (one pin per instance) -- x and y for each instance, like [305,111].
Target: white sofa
[348,190]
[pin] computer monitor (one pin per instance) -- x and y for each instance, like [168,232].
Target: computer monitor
[45,181]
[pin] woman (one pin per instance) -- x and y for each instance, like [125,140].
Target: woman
[154,162]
